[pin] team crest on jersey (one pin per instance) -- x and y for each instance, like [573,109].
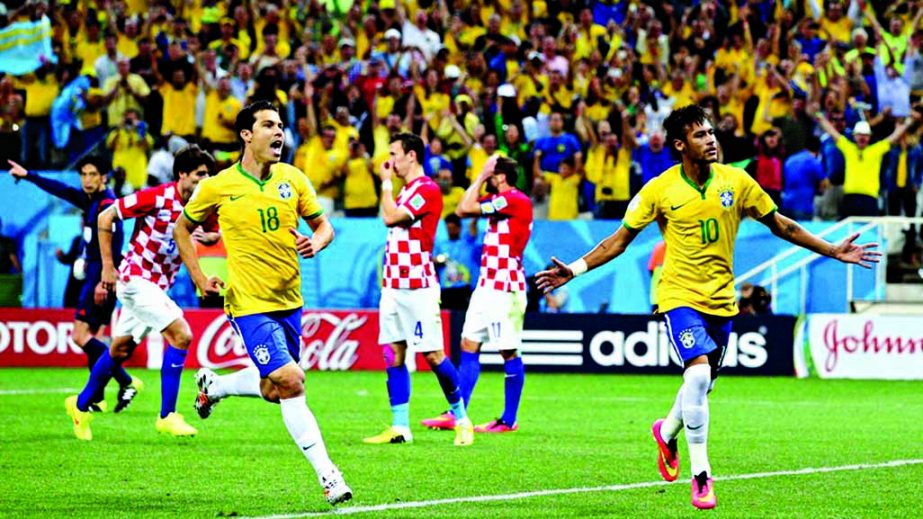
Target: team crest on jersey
[416,202]
[500,202]
[285,191]
[726,195]
[687,339]
[261,353]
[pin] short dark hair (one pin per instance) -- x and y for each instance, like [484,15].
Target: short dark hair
[812,143]
[452,218]
[101,164]
[190,158]
[509,168]
[410,142]
[246,117]
[678,123]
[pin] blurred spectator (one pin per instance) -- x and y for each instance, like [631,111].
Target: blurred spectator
[160,165]
[804,178]
[359,188]
[903,172]
[179,98]
[106,66]
[563,187]
[41,88]
[9,255]
[608,167]
[11,120]
[130,144]
[766,167]
[861,182]
[457,259]
[124,91]
[754,300]
[653,157]
[220,115]
[451,194]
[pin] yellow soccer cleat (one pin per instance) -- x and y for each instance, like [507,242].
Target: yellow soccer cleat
[80,418]
[174,424]
[464,432]
[390,435]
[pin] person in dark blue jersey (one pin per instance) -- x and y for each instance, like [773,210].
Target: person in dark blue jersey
[95,305]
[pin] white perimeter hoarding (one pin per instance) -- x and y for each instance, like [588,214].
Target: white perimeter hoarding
[860,346]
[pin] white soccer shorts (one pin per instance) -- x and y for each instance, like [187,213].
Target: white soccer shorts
[495,317]
[145,308]
[412,316]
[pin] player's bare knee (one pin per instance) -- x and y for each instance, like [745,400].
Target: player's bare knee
[470,346]
[81,333]
[121,348]
[509,355]
[288,381]
[394,354]
[269,391]
[434,358]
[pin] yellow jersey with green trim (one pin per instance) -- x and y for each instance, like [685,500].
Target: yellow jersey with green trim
[699,226]
[264,274]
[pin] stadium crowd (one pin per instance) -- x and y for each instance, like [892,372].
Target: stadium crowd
[575,91]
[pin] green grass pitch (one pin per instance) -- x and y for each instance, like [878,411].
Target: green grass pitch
[576,432]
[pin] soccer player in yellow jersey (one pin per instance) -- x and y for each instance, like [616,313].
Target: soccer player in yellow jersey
[698,205]
[258,202]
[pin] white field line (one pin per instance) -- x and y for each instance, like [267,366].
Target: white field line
[584,490]
[45,391]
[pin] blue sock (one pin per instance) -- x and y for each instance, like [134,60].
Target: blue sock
[448,380]
[468,373]
[93,349]
[399,394]
[99,377]
[170,372]
[118,372]
[515,378]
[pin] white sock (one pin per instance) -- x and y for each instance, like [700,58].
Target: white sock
[303,429]
[673,421]
[695,415]
[245,382]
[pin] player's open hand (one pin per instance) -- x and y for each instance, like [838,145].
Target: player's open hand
[862,255]
[213,286]
[489,166]
[303,244]
[17,171]
[100,294]
[548,280]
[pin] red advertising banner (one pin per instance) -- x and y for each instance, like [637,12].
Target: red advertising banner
[335,340]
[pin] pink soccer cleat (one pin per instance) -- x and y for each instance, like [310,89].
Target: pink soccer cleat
[443,422]
[667,457]
[497,426]
[703,492]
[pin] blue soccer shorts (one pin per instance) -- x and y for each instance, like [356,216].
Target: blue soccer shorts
[272,339]
[693,334]
[87,310]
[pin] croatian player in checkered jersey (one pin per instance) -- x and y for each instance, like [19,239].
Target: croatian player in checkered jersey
[498,304]
[259,202]
[409,306]
[146,273]
[698,205]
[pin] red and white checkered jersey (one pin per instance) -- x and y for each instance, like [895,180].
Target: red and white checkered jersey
[409,250]
[509,225]
[152,253]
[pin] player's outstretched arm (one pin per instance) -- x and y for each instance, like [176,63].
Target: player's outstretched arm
[182,235]
[846,251]
[605,251]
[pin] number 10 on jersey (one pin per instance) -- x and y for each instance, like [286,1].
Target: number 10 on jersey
[709,230]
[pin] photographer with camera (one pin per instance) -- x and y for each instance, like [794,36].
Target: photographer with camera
[124,91]
[130,144]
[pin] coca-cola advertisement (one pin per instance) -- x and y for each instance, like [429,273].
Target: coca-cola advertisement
[861,347]
[331,340]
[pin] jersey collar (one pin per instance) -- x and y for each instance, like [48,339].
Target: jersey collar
[261,183]
[702,190]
